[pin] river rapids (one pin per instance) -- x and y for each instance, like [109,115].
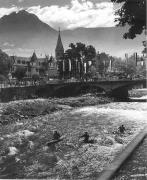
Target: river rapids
[23,143]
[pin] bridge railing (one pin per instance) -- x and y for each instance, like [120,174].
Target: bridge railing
[57,81]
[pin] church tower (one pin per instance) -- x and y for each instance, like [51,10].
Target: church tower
[34,57]
[59,51]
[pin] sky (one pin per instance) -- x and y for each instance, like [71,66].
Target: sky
[68,14]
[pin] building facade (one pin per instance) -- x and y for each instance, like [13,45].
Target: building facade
[43,67]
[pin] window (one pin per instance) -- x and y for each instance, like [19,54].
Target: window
[23,62]
[18,61]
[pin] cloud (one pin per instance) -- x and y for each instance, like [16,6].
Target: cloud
[24,52]
[7,11]
[6,50]
[77,14]
[7,44]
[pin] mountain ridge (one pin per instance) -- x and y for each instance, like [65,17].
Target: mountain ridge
[27,32]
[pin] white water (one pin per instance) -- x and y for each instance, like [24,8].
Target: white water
[141,92]
[143,97]
[133,115]
[100,122]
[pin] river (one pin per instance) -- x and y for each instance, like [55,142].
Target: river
[100,122]
[72,158]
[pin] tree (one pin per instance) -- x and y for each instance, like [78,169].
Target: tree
[90,53]
[3,78]
[128,68]
[44,66]
[20,73]
[103,61]
[131,67]
[78,54]
[5,63]
[92,73]
[35,78]
[133,13]
[144,52]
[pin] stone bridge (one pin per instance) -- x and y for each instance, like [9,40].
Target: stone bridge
[114,88]
[118,89]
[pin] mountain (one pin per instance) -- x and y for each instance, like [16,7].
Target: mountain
[22,32]
[106,39]
[23,21]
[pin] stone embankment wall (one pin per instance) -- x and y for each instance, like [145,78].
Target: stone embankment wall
[16,93]
[30,92]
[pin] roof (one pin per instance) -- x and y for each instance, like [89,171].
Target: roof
[59,45]
[26,58]
[34,57]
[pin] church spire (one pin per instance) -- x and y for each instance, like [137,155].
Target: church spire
[34,57]
[59,51]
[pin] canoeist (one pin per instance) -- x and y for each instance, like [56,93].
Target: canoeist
[56,135]
[122,129]
[86,138]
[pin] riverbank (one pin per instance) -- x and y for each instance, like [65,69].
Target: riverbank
[23,141]
[24,109]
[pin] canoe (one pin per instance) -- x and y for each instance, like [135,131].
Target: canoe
[55,141]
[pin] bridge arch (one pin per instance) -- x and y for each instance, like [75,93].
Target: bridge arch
[73,89]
